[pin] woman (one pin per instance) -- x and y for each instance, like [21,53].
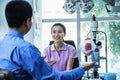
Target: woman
[61,54]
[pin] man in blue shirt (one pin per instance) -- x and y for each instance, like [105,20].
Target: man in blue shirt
[23,58]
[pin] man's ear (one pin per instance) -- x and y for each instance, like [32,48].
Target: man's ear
[27,22]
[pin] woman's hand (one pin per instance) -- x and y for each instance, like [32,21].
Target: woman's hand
[51,62]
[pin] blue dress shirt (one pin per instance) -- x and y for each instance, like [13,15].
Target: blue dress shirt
[26,63]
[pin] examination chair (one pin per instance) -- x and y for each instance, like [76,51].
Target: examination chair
[76,61]
[6,75]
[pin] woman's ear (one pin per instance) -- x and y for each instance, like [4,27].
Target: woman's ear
[64,34]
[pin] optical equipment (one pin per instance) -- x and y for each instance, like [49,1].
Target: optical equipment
[96,53]
[85,6]
[91,47]
[111,7]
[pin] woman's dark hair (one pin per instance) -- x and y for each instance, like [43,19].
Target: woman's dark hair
[16,12]
[61,25]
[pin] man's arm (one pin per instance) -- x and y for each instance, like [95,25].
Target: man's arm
[41,70]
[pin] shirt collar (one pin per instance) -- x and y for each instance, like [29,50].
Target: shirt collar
[15,33]
[62,48]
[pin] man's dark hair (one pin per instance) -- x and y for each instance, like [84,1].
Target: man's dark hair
[16,12]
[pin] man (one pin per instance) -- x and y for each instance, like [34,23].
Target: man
[23,58]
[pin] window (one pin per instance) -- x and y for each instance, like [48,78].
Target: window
[52,12]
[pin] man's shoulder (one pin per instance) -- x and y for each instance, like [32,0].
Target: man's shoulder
[25,44]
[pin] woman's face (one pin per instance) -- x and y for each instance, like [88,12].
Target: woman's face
[57,33]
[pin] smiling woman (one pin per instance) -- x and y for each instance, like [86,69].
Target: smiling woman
[46,32]
[61,53]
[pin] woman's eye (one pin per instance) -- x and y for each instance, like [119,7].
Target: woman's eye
[60,31]
[54,31]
